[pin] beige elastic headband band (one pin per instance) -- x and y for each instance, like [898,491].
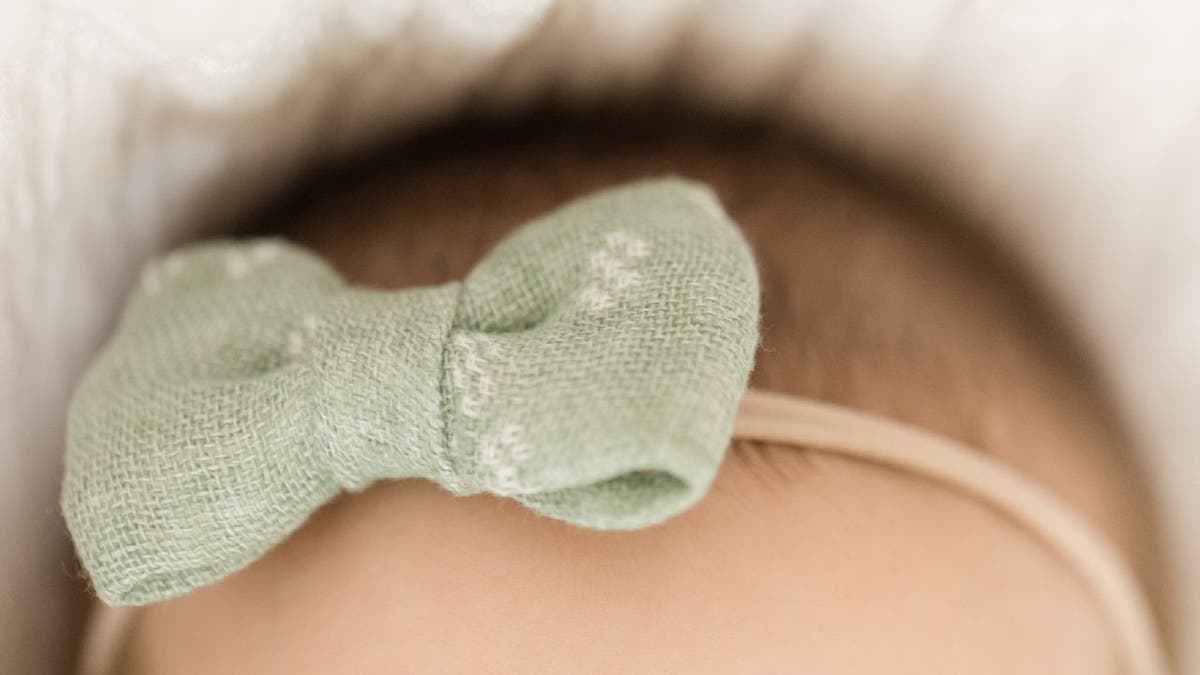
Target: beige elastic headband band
[777,418]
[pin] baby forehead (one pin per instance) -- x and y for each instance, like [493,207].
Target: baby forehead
[795,559]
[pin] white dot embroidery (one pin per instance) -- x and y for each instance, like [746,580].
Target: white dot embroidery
[709,202]
[510,433]
[595,299]
[265,252]
[521,451]
[471,362]
[236,265]
[174,264]
[295,343]
[489,345]
[624,279]
[489,452]
[627,244]
[470,378]
[611,263]
[468,406]
[604,263]
[311,323]
[296,338]
[151,281]
[484,382]
[506,478]
[239,264]
[500,451]
[153,275]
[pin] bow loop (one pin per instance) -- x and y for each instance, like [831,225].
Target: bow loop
[601,352]
[199,380]
[590,367]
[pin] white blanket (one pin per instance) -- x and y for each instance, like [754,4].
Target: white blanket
[1069,129]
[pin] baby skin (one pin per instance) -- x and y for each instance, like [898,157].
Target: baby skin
[797,560]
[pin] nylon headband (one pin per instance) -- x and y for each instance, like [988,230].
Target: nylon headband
[789,420]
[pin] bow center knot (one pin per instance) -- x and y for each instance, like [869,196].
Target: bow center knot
[377,362]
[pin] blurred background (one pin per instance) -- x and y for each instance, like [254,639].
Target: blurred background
[1068,131]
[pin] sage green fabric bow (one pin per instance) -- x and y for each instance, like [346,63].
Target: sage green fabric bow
[589,367]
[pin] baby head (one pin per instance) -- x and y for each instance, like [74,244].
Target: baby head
[796,559]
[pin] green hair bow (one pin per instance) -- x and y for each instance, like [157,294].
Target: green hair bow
[590,367]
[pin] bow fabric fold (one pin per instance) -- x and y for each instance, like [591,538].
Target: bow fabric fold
[589,367]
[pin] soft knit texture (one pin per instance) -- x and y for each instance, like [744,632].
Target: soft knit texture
[590,367]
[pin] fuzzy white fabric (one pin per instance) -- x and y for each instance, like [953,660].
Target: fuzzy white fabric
[1070,129]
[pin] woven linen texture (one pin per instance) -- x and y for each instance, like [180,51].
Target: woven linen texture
[590,367]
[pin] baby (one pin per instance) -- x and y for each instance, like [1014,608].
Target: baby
[797,560]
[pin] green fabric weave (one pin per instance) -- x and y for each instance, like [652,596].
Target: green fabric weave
[589,367]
